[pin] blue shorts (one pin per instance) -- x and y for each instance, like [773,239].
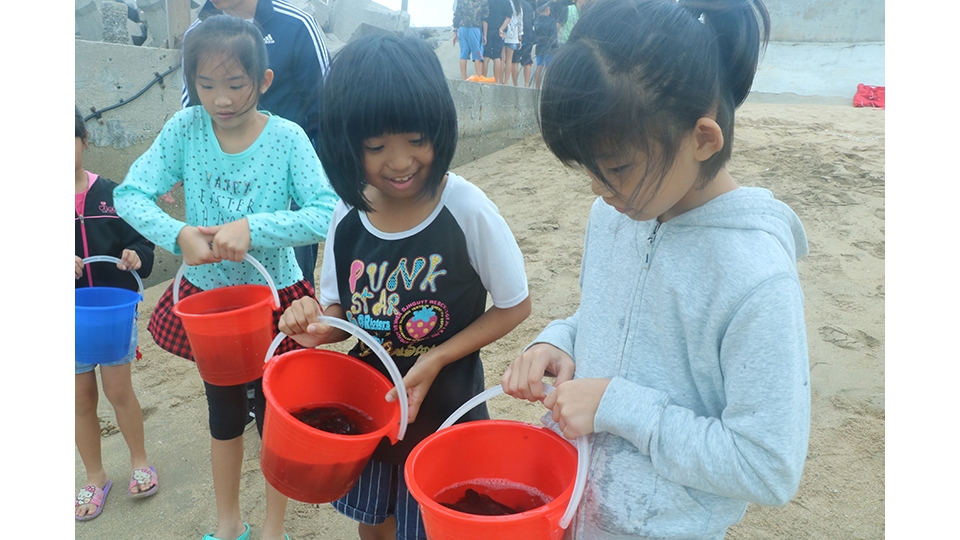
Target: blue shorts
[544,59]
[471,43]
[379,493]
[80,367]
[514,46]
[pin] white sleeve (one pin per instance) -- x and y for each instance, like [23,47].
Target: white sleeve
[492,248]
[328,293]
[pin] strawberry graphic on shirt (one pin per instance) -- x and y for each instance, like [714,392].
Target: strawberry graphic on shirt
[423,321]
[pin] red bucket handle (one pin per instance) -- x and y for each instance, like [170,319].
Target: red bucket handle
[108,258]
[247,257]
[377,349]
[583,447]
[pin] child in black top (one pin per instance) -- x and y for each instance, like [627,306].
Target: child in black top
[545,32]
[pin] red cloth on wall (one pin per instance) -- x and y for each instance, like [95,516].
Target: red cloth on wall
[869,96]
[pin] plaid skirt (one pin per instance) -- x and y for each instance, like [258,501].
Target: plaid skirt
[168,332]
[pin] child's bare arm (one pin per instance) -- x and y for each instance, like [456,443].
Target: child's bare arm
[489,327]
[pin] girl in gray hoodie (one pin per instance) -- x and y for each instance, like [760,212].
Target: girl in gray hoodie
[686,361]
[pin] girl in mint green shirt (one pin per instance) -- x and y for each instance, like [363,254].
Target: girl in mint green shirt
[241,168]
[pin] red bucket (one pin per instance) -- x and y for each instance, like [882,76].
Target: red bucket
[229,329]
[511,462]
[305,463]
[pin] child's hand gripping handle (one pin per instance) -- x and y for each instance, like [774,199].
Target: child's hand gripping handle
[247,257]
[108,258]
[583,447]
[377,349]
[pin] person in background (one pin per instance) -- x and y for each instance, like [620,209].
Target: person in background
[100,231]
[686,360]
[545,32]
[493,26]
[524,57]
[574,10]
[468,17]
[511,34]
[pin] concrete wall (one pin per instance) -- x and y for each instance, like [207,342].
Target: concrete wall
[826,20]
[491,117]
[106,74]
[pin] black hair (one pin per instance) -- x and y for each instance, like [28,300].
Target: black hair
[383,84]
[230,36]
[558,10]
[81,125]
[637,75]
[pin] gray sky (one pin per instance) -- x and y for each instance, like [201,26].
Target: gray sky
[425,12]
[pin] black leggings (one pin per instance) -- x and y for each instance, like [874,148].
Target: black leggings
[229,411]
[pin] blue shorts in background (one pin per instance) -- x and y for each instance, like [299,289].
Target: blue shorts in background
[544,59]
[471,47]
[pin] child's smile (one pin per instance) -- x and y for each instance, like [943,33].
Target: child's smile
[397,164]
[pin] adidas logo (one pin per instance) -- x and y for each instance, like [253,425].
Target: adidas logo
[268,39]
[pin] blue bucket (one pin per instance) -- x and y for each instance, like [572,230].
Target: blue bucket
[104,320]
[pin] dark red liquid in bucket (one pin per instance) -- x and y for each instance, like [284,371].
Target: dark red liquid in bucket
[491,499]
[471,455]
[230,330]
[308,464]
[335,418]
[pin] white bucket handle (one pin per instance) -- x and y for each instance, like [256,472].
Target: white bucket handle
[108,258]
[377,349]
[247,257]
[583,447]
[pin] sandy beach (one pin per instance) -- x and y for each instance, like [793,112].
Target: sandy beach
[826,162]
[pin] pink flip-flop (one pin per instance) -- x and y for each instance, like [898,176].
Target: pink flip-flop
[142,476]
[91,494]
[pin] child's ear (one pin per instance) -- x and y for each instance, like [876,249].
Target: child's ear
[267,81]
[708,137]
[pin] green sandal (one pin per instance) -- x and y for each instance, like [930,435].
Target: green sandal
[244,536]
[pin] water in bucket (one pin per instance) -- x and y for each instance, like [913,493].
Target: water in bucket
[492,497]
[230,328]
[312,465]
[337,418]
[533,460]
[527,469]
[308,464]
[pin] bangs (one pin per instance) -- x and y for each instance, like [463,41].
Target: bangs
[395,105]
[590,112]
[586,114]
